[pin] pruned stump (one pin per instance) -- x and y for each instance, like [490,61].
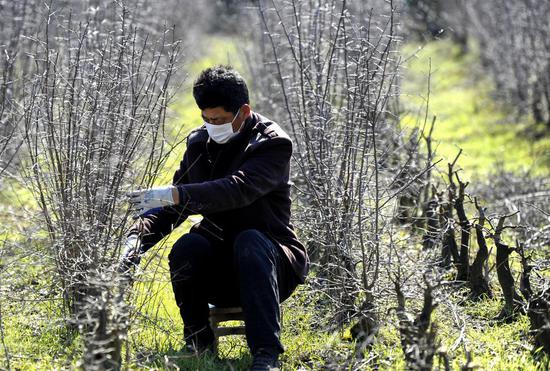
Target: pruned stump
[539,315]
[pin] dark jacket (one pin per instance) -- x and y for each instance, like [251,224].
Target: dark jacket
[243,184]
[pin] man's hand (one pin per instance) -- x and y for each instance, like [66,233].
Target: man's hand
[131,255]
[143,200]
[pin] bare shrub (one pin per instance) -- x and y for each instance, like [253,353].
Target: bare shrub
[17,23]
[514,44]
[332,69]
[95,123]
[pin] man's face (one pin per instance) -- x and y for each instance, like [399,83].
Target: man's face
[219,116]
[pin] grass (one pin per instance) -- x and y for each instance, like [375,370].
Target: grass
[473,122]
[492,345]
[468,118]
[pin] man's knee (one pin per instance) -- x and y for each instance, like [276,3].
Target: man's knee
[188,247]
[252,245]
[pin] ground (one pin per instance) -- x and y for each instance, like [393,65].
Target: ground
[474,122]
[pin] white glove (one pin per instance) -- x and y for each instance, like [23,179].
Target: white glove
[131,255]
[143,200]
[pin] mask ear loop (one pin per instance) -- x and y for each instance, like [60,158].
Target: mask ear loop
[242,123]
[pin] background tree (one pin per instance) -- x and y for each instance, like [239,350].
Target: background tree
[511,39]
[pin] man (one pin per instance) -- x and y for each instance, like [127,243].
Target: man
[235,173]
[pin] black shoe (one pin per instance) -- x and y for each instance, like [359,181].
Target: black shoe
[265,361]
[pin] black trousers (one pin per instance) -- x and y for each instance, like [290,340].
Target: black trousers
[250,272]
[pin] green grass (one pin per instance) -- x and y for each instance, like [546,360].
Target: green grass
[158,331]
[492,345]
[467,116]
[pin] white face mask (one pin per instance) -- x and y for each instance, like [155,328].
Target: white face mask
[223,132]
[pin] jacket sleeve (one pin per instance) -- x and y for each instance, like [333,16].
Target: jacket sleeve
[154,225]
[265,167]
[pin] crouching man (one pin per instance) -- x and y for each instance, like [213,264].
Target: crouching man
[244,252]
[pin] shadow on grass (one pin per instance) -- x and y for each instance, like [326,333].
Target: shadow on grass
[228,358]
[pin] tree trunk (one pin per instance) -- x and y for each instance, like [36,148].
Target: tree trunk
[364,331]
[432,233]
[463,265]
[512,301]
[538,308]
[479,282]
[417,337]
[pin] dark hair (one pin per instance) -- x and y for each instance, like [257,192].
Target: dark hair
[220,86]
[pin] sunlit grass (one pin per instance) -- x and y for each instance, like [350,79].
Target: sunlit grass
[491,344]
[467,118]
[467,115]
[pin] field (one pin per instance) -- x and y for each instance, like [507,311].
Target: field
[34,337]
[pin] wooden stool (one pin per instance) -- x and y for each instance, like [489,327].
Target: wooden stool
[218,315]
